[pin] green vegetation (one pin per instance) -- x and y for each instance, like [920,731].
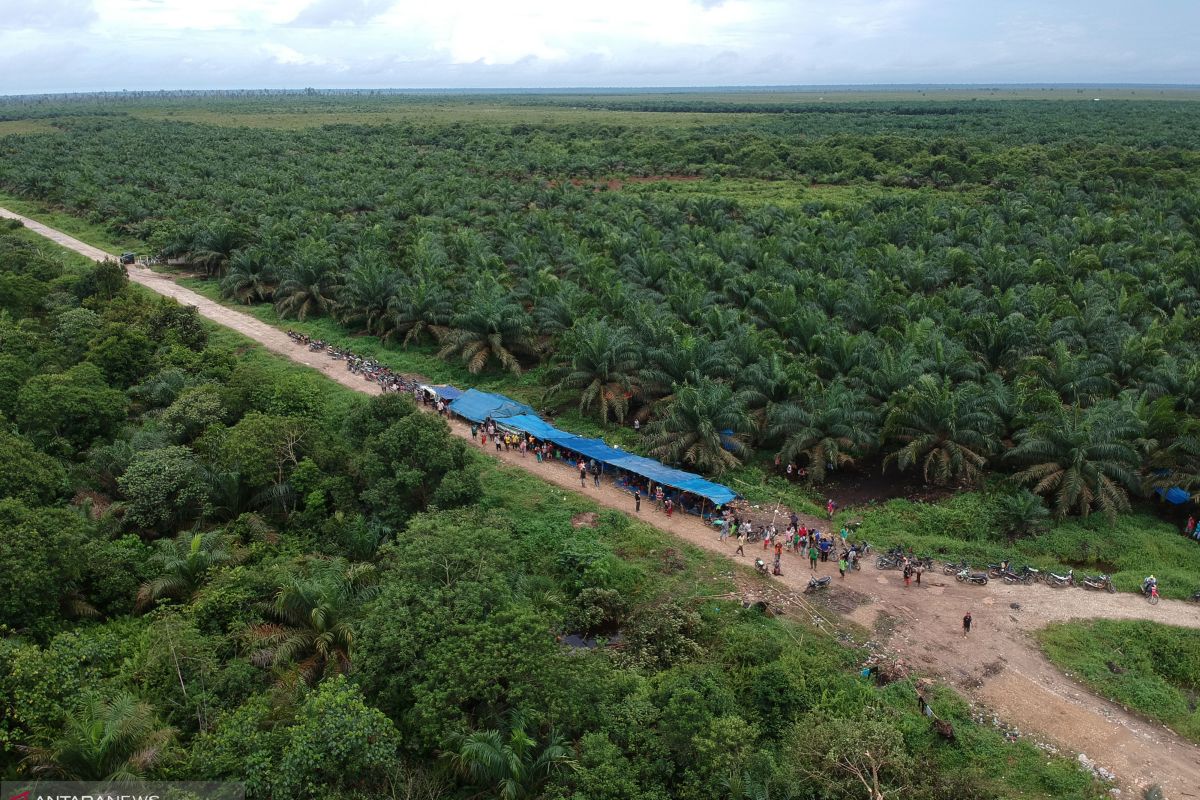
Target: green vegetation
[975,526]
[241,570]
[978,287]
[1151,668]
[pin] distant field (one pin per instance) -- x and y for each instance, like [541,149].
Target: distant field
[448,112]
[11,127]
[637,108]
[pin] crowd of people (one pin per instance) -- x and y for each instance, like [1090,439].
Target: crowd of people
[809,544]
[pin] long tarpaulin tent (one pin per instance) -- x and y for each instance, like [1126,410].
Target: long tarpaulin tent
[478,406]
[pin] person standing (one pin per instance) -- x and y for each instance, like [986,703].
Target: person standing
[669,506]
[966,624]
[842,564]
[474,430]
[812,558]
[582,475]
[920,569]
[658,496]
[637,500]
[908,572]
[1190,527]
[741,551]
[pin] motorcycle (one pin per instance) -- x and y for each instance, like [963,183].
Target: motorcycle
[817,583]
[977,578]
[996,570]
[1025,575]
[760,567]
[950,568]
[1151,594]
[1059,581]
[1196,597]
[1031,574]
[922,561]
[1098,582]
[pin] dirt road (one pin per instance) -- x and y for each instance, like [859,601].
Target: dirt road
[998,665]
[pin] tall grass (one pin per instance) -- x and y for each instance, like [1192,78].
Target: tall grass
[1151,668]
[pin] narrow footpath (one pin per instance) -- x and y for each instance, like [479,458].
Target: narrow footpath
[999,665]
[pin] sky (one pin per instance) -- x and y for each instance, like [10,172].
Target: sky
[93,45]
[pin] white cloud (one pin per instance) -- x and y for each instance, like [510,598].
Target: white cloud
[70,44]
[290,56]
[46,14]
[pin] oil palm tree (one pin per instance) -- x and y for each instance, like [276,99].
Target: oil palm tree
[182,564]
[1077,379]
[1082,461]
[250,277]
[419,309]
[602,368]
[365,294]
[682,359]
[312,635]
[830,429]
[492,328]
[214,246]
[509,765]
[104,740]
[949,431]
[767,384]
[306,290]
[704,427]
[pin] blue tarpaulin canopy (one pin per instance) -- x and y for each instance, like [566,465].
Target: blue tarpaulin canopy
[478,406]
[534,425]
[540,429]
[1175,495]
[675,478]
[447,392]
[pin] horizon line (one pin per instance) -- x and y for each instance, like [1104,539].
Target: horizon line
[731,88]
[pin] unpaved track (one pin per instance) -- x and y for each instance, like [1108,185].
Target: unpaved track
[999,664]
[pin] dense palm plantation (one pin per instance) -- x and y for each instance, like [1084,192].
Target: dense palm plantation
[925,286]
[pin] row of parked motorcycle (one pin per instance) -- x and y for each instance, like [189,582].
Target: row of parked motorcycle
[963,572]
[368,368]
[897,558]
